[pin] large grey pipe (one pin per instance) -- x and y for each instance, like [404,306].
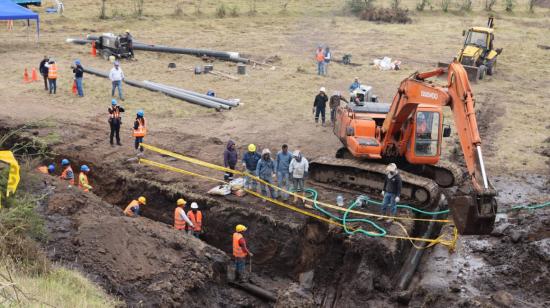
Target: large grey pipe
[212,98]
[415,255]
[183,96]
[257,291]
[223,55]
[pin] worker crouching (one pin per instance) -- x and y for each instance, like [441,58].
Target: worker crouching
[240,252]
[134,208]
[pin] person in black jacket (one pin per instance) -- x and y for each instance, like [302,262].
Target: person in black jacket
[392,190]
[44,71]
[320,105]
[115,119]
[78,71]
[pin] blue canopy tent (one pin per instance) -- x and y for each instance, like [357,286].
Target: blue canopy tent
[13,11]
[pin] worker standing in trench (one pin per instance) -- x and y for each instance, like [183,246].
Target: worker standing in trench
[180,218]
[195,216]
[392,190]
[240,252]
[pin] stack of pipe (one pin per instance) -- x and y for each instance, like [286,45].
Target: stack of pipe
[222,55]
[185,95]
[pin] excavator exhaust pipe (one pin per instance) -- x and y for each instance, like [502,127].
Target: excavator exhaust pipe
[474,215]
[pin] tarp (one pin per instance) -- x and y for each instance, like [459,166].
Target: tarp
[13,11]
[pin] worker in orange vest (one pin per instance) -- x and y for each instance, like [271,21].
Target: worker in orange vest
[180,218]
[52,75]
[83,182]
[196,218]
[140,130]
[50,169]
[67,174]
[240,251]
[320,58]
[133,209]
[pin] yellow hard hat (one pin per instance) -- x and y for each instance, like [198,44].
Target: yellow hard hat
[251,147]
[181,202]
[240,228]
[142,200]
[127,30]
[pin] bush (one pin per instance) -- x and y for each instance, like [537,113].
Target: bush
[220,11]
[489,4]
[466,5]
[234,11]
[399,16]
[531,5]
[395,4]
[422,5]
[445,5]
[103,10]
[509,5]
[357,6]
[138,7]
[178,11]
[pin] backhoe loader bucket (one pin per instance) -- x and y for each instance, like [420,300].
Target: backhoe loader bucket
[472,71]
[474,215]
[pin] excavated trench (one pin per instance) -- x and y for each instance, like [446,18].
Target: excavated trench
[334,269]
[345,270]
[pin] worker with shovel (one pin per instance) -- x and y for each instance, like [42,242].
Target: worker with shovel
[240,252]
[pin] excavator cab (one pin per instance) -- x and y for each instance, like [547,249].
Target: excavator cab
[425,142]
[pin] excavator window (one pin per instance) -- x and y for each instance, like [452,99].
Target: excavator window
[476,38]
[427,133]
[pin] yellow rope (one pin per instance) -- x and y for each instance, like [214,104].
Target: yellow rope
[439,240]
[334,207]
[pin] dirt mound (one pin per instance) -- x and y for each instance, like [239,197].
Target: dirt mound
[140,260]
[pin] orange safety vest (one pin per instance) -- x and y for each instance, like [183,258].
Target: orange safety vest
[197,221]
[128,210]
[179,223]
[237,249]
[141,130]
[43,169]
[320,56]
[83,181]
[64,175]
[52,71]
[115,114]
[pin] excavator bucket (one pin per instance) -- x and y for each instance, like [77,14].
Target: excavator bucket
[472,71]
[474,215]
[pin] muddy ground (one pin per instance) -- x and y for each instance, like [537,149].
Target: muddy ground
[143,261]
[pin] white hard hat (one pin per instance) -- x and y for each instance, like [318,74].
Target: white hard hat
[296,153]
[194,205]
[391,167]
[266,151]
[322,89]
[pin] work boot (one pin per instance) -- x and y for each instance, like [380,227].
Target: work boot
[118,143]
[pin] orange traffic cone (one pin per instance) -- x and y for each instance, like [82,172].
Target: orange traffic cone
[94,52]
[74,87]
[34,75]
[26,76]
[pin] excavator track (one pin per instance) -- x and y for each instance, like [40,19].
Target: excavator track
[444,173]
[368,176]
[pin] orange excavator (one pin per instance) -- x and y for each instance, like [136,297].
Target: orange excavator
[409,133]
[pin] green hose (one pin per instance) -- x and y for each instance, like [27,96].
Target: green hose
[382,232]
[529,207]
